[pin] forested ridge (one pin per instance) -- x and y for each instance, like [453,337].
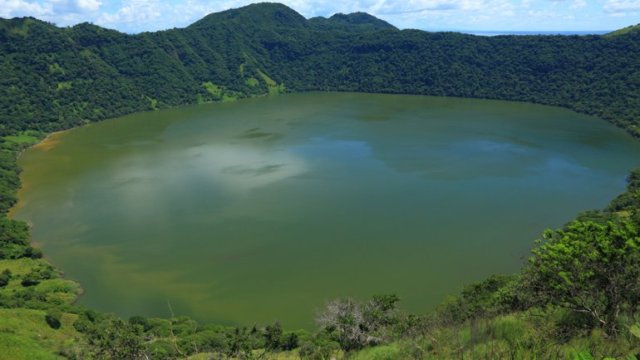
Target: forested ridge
[577,295]
[54,78]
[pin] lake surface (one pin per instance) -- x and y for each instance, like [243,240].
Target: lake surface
[264,209]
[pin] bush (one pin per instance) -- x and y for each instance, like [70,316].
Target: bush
[141,321]
[589,268]
[33,253]
[319,348]
[5,277]
[53,319]
[355,325]
[82,325]
[31,279]
[496,295]
[289,342]
[272,336]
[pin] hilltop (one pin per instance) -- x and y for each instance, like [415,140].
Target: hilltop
[625,30]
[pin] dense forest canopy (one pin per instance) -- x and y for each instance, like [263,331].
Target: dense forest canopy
[55,78]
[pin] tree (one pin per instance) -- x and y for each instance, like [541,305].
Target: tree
[589,268]
[289,342]
[273,336]
[116,339]
[355,325]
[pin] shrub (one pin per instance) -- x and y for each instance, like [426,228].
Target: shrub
[5,277]
[53,319]
[589,268]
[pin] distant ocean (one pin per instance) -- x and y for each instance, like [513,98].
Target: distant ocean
[496,33]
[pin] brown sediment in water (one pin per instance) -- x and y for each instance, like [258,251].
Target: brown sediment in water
[49,142]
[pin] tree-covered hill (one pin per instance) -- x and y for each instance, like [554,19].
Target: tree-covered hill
[54,78]
[353,22]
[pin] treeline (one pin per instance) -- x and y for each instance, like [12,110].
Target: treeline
[55,78]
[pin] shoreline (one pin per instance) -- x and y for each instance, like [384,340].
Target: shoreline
[53,139]
[47,143]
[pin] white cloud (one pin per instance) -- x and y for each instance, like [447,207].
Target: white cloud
[621,6]
[138,12]
[150,15]
[65,7]
[460,14]
[91,5]
[12,8]
[578,4]
[61,12]
[575,4]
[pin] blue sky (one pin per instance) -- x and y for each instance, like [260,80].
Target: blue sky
[472,15]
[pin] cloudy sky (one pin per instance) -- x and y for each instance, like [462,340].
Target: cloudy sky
[471,15]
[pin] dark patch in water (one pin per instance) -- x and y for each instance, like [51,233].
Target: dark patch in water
[256,133]
[253,171]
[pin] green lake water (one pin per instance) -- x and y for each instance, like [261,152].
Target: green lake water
[264,209]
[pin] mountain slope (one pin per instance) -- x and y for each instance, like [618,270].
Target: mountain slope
[61,77]
[626,30]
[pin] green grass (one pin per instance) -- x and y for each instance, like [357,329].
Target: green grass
[24,138]
[229,98]
[57,291]
[212,88]
[514,336]
[64,85]
[24,334]
[20,266]
[269,81]
[219,92]
[253,82]
[383,352]
[153,103]
[272,85]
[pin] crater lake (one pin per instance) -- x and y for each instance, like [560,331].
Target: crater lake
[264,209]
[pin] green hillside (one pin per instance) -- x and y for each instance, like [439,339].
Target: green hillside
[623,31]
[577,297]
[61,77]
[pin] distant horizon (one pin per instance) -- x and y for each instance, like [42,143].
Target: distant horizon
[533,32]
[462,31]
[466,16]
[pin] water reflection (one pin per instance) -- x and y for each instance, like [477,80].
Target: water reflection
[263,209]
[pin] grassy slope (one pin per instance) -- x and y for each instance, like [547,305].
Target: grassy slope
[24,334]
[623,31]
[512,336]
